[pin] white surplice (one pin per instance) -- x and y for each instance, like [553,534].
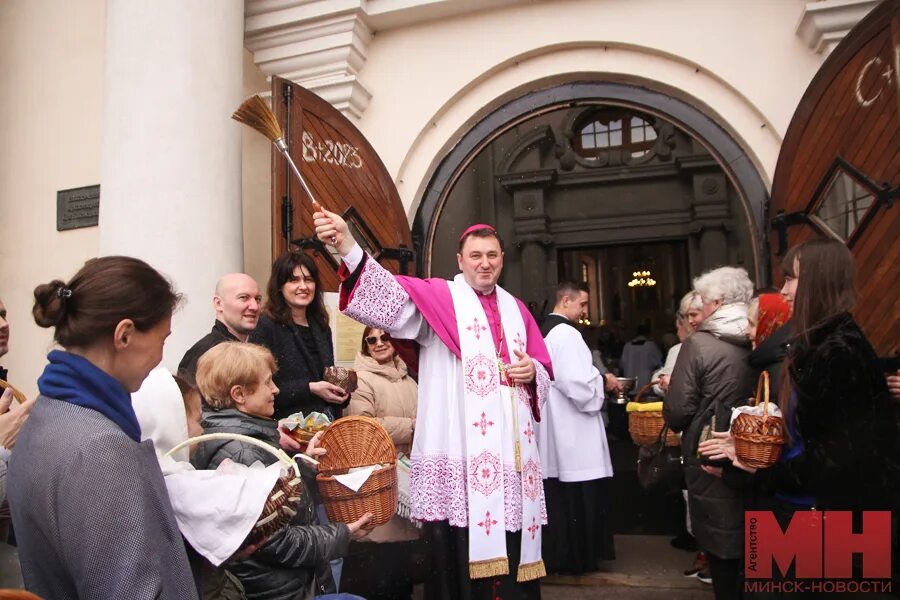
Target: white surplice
[571,436]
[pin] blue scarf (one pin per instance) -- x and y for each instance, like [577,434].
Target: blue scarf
[76,380]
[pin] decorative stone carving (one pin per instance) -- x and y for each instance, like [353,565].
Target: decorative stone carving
[824,23]
[322,44]
[323,51]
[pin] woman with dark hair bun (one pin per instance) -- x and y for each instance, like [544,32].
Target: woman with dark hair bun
[88,501]
[294,326]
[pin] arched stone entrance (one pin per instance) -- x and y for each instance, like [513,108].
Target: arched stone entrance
[520,164]
[736,166]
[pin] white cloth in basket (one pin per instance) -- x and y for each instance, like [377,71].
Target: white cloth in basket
[216,510]
[756,411]
[354,478]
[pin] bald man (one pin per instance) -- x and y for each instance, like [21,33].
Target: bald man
[236,303]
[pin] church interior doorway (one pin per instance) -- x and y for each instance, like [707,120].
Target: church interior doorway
[630,285]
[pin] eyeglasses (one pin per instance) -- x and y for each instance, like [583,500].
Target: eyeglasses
[373,339]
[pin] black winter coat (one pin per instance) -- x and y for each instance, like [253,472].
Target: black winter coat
[296,367]
[216,336]
[293,564]
[710,378]
[845,419]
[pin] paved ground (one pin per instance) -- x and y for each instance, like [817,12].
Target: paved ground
[647,567]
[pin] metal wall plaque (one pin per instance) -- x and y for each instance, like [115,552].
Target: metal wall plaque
[78,207]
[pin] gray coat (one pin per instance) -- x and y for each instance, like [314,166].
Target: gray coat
[711,376]
[91,511]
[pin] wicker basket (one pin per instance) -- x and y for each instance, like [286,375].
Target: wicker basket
[644,427]
[358,442]
[280,506]
[19,396]
[758,440]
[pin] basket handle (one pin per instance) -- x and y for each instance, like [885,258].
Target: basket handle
[278,453]
[644,389]
[19,396]
[762,388]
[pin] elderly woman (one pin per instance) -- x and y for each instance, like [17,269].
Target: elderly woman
[236,380]
[89,505]
[387,393]
[686,320]
[711,376]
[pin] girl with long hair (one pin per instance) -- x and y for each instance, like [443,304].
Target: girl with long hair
[842,449]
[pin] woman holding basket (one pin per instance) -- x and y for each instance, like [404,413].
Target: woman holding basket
[842,440]
[236,380]
[710,377]
[91,512]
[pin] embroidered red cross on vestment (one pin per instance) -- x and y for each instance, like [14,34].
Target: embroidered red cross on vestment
[533,528]
[487,523]
[476,328]
[483,424]
[519,342]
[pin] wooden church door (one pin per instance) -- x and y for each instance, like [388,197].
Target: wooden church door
[345,175]
[839,168]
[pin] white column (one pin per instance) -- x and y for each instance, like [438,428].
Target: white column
[171,174]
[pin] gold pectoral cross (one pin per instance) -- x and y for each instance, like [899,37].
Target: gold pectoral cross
[504,376]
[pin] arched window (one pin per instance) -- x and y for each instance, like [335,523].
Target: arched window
[610,128]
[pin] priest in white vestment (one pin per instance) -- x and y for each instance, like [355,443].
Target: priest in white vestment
[484,372]
[572,443]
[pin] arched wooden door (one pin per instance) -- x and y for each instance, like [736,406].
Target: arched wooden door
[346,176]
[839,168]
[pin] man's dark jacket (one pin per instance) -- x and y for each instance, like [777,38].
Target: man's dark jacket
[215,337]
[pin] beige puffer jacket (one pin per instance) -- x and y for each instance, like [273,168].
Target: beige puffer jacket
[387,393]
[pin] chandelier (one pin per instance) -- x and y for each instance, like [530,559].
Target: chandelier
[641,279]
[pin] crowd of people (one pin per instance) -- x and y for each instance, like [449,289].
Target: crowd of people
[499,418]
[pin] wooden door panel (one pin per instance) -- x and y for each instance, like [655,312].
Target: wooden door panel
[345,175]
[851,111]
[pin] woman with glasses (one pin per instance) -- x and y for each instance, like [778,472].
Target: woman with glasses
[387,393]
